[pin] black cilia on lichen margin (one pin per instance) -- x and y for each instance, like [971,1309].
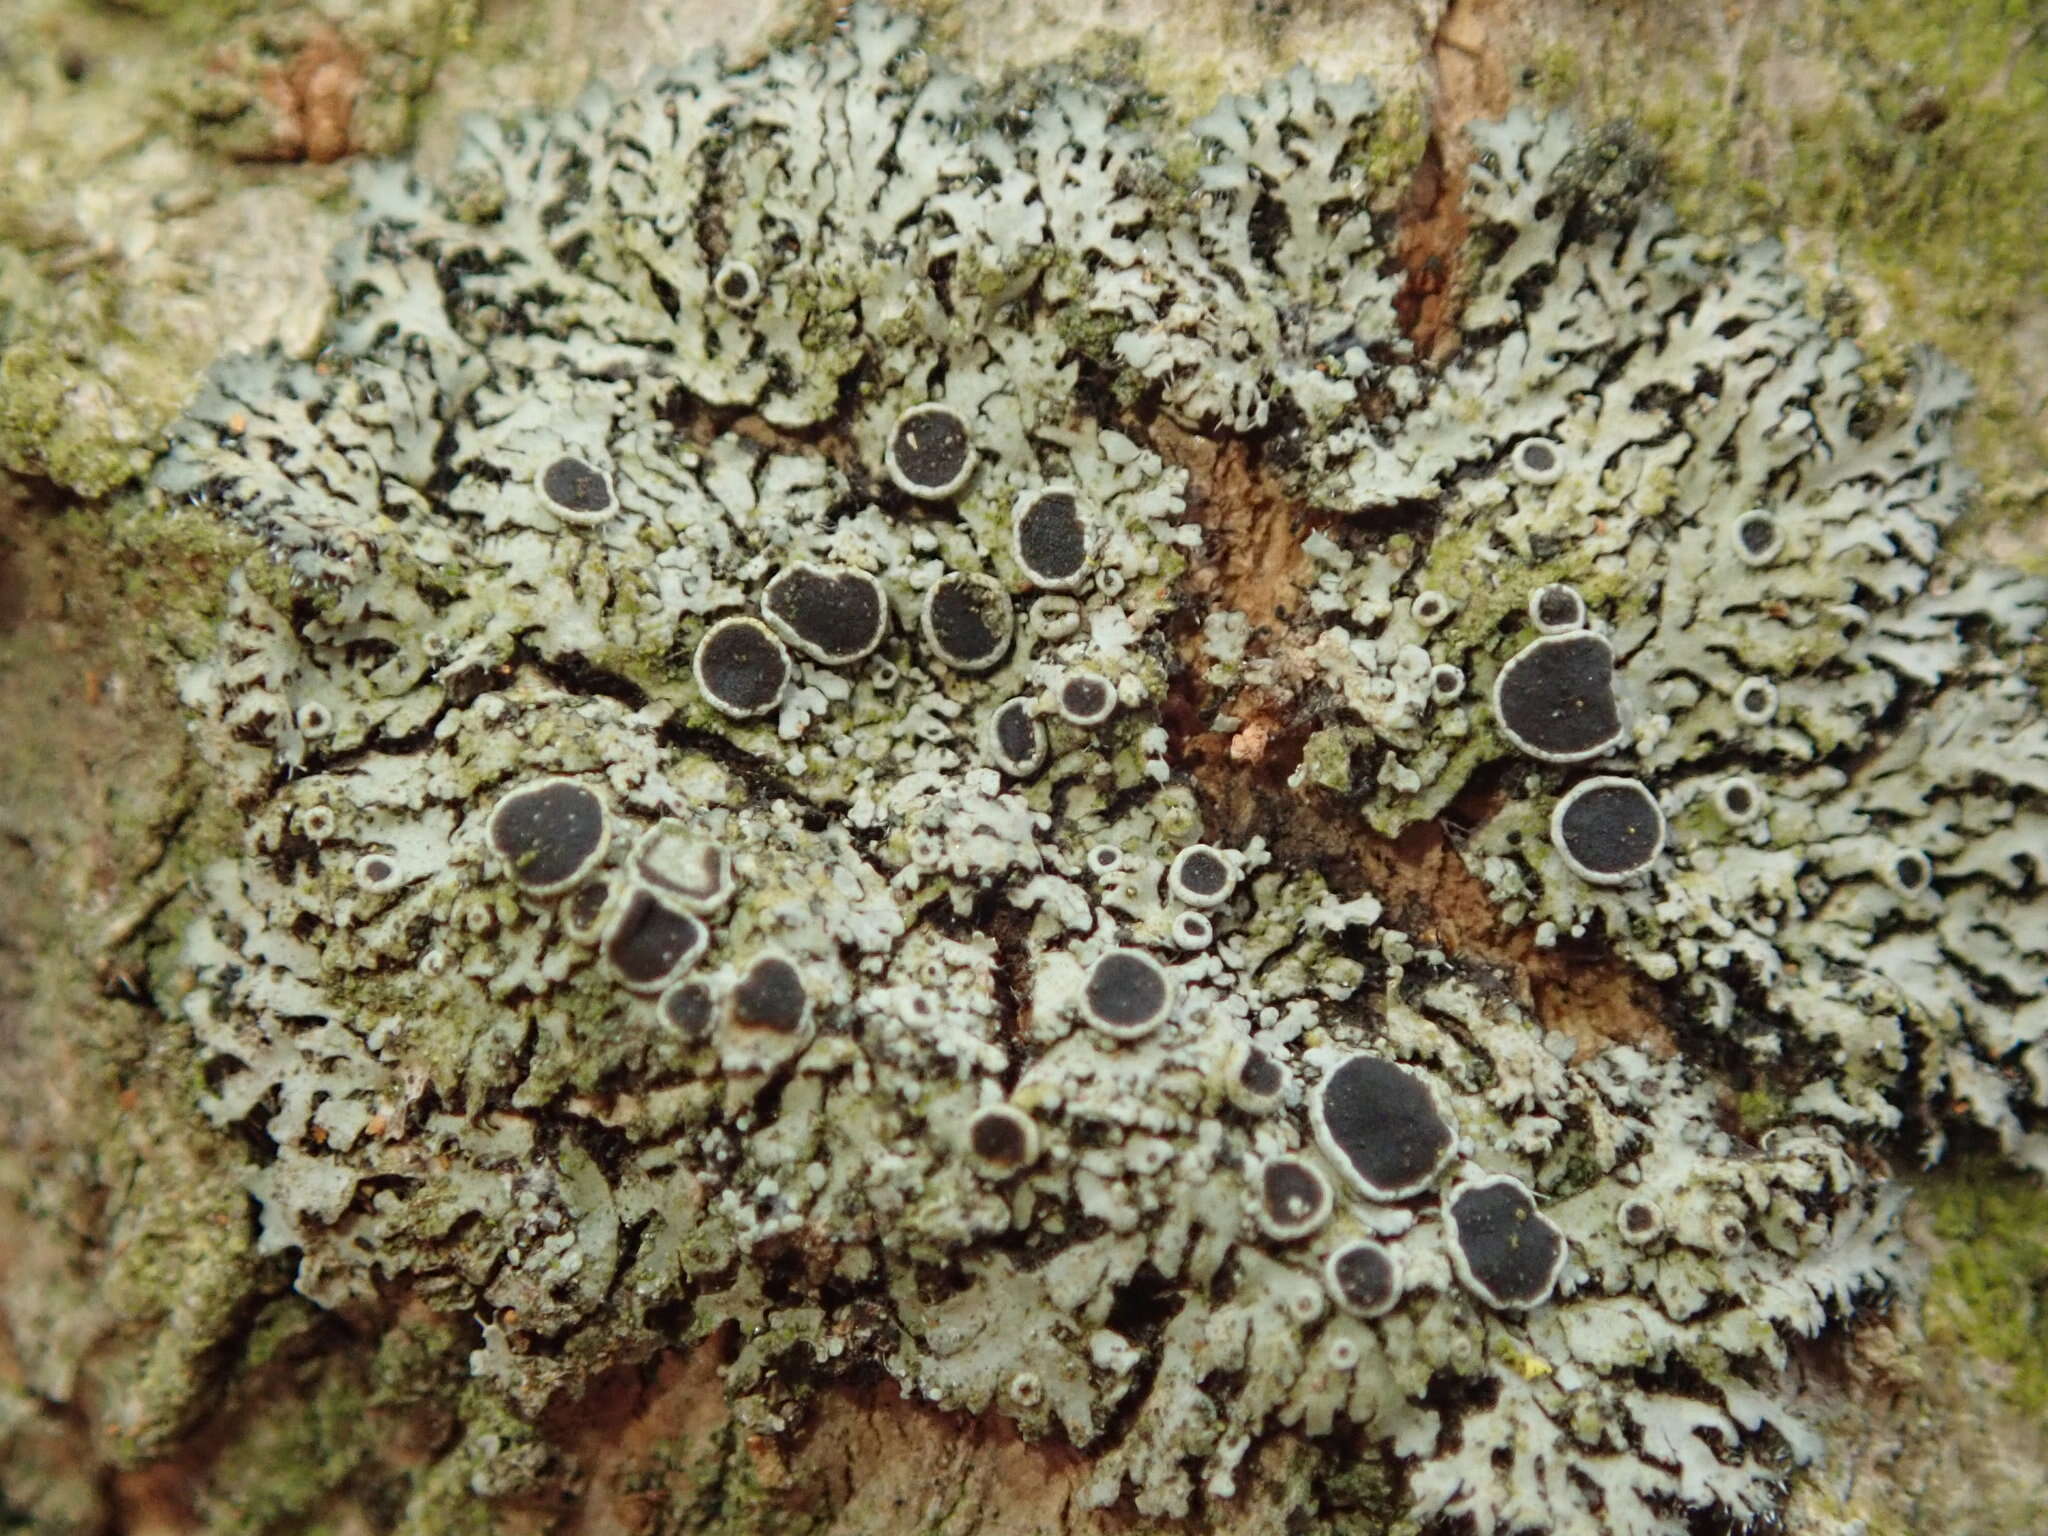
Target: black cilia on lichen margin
[670,849]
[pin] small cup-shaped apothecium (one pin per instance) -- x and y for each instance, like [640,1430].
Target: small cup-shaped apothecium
[1084,698]
[1049,538]
[1557,609]
[1383,1125]
[1294,1198]
[967,622]
[1363,1277]
[1201,876]
[1608,830]
[930,454]
[1127,994]
[832,613]
[549,834]
[1537,460]
[1015,739]
[1254,1079]
[1002,1141]
[1506,1251]
[1555,699]
[741,668]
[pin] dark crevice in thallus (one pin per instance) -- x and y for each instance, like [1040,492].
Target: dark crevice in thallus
[632,1234]
[497,1096]
[577,674]
[1143,1308]
[1011,929]
[374,744]
[127,979]
[701,423]
[201,1436]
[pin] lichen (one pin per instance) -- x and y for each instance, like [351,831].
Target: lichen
[715,859]
[1898,140]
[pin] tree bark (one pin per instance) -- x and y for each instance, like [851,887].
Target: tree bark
[177,172]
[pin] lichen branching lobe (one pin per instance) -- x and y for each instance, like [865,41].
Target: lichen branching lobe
[736,871]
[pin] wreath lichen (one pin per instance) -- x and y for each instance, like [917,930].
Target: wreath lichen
[717,846]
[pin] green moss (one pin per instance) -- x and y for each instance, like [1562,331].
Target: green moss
[419,1362]
[1988,1291]
[1397,146]
[47,433]
[688,1476]
[99,755]
[170,572]
[1554,71]
[107,307]
[283,1326]
[1354,1495]
[185,1276]
[287,1467]
[192,19]
[1930,171]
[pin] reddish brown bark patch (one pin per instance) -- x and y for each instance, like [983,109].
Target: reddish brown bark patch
[1471,82]
[1253,561]
[868,1458]
[313,98]
[1253,526]
[1431,235]
[1579,989]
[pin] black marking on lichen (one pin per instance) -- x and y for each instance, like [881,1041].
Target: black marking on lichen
[550,834]
[968,622]
[832,613]
[770,996]
[1017,739]
[930,454]
[1609,829]
[575,486]
[1382,1123]
[1506,1251]
[742,668]
[1127,993]
[1555,699]
[1051,541]
[1363,1278]
[650,942]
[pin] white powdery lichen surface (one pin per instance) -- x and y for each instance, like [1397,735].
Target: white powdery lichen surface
[713,852]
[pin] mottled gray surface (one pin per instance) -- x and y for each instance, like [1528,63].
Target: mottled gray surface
[704,308]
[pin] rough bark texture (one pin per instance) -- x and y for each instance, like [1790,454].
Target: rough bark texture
[175,175]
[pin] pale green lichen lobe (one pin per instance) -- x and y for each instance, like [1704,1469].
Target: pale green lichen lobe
[601,964]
